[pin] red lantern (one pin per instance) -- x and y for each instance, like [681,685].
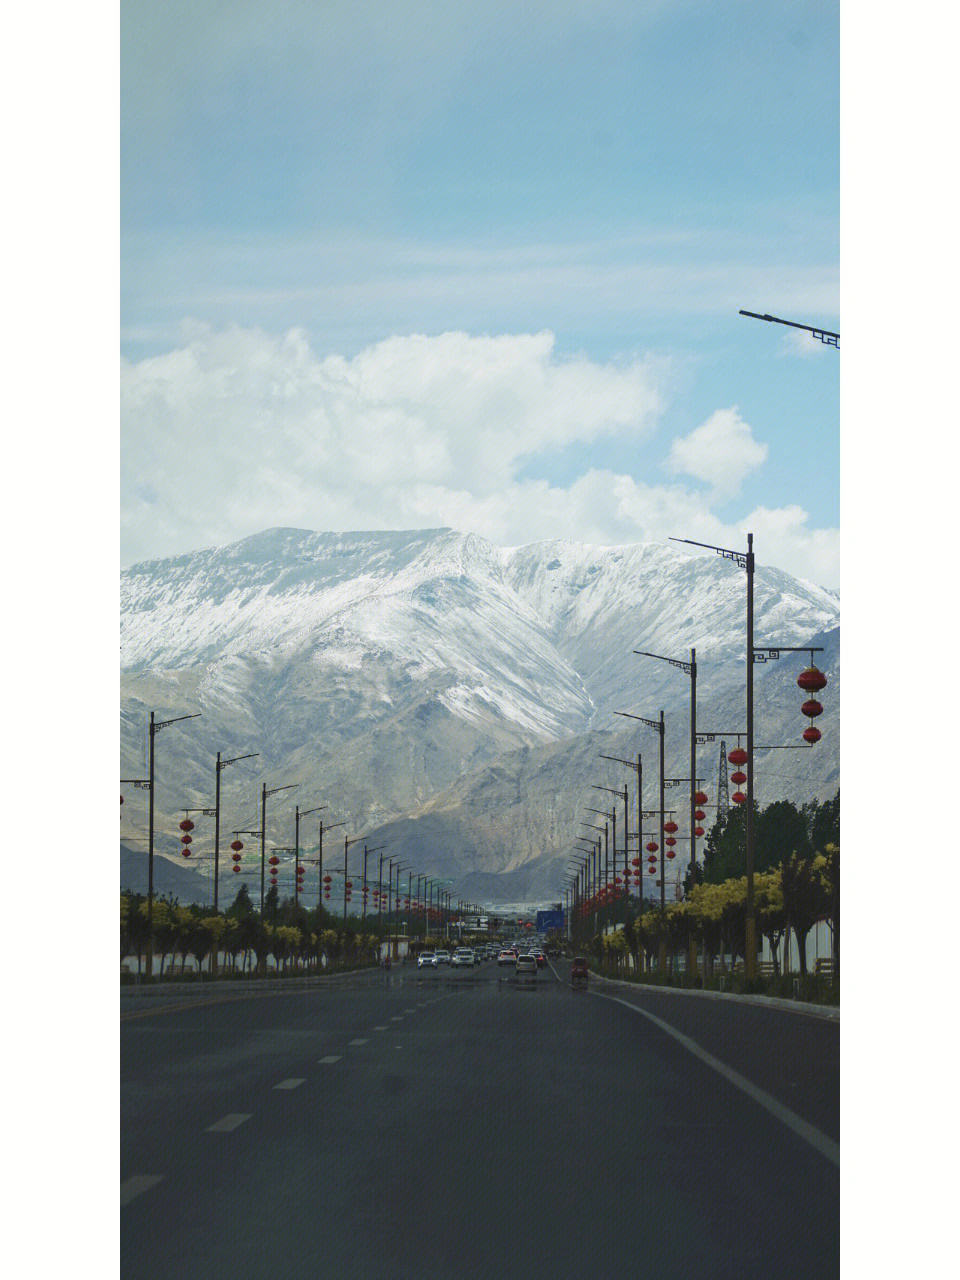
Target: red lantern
[699,815]
[738,778]
[186,839]
[348,885]
[738,797]
[671,841]
[812,708]
[652,847]
[186,825]
[236,857]
[699,797]
[236,846]
[812,734]
[635,862]
[738,756]
[671,854]
[698,831]
[185,852]
[652,860]
[327,894]
[273,860]
[670,826]
[326,879]
[236,869]
[812,680]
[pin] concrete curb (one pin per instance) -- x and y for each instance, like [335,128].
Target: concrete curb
[186,990]
[804,1007]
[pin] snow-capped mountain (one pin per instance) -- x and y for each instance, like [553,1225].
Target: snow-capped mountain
[400,677]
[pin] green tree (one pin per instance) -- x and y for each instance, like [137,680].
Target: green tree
[241,907]
[829,870]
[823,823]
[781,830]
[804,899]
[771,916]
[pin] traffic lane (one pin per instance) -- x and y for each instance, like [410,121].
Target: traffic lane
[794,1058]
[181,1071]
[515,1120]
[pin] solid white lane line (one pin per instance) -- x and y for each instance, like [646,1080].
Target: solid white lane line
[233,1120]
[132,1187]
[358,1042]
[819,1141]
[331,1057]
[292,1083]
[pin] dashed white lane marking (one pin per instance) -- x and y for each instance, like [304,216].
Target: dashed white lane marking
[358,1042]
[331,1057]
[819,1141]
[380,1028]
[409,1011]
[233,1120]
[397,1018]
[292,1083]
[132,1187]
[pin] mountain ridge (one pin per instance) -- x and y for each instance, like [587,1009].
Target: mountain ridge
[378,669]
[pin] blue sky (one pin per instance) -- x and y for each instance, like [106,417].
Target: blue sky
[622,176]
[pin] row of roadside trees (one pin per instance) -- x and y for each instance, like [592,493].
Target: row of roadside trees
[296,939]
[796,885]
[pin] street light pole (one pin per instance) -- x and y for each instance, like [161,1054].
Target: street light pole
[221,764]
[155,727]
[264,793]
[298,814]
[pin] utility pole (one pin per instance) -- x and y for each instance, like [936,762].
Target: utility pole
[298,814]
[155,727]
[221,764]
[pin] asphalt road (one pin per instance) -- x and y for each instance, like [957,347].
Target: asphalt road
[391,1124]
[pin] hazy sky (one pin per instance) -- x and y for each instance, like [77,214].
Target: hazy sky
[408,264]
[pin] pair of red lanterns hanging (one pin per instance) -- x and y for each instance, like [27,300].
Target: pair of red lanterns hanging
[811,680]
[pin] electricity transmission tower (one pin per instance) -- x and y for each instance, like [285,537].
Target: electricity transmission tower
[723,787]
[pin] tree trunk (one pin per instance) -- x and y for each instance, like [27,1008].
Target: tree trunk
[801,936]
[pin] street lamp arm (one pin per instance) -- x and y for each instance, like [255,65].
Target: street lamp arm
[739,557]
[674,662]
[654,724]
[827,336]
[162,724]
[222,764]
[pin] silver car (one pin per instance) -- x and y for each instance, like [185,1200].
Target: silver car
[526,966]
[427,960]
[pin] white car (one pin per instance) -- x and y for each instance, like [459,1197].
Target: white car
[427,960]
[462,958]
[526,966]
[443,957]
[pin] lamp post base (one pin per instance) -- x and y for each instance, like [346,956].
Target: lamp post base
[750,949]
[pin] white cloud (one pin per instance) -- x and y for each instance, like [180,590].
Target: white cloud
[237,431]
[721,451]
[798,342]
